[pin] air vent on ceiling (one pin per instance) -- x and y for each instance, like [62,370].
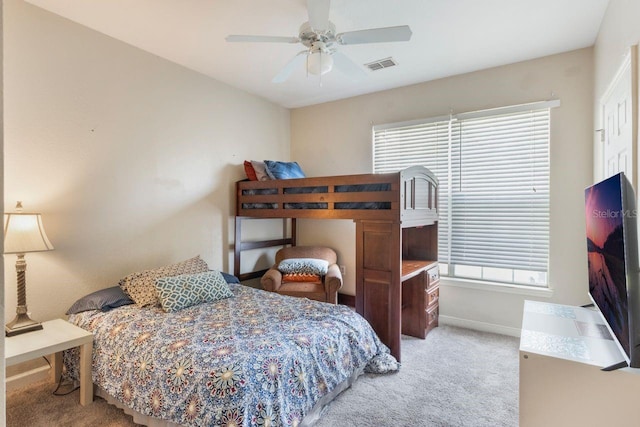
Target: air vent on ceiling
[381,63]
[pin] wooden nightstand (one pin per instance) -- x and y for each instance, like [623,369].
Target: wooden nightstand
[57,335]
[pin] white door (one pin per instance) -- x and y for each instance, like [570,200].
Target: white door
[618,120]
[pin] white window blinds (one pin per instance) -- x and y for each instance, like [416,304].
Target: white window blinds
[425,144]
[493,168]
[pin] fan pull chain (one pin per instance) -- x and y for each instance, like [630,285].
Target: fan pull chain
[320,84]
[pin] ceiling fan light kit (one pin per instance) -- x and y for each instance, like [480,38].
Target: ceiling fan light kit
[319,36]
[319,60]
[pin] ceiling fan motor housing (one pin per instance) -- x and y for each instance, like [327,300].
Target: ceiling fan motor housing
[310,37]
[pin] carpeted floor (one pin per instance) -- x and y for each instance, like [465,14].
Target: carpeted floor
[456,377]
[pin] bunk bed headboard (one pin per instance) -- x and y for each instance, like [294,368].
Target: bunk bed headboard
[418,196]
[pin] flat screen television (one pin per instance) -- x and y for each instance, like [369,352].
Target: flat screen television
[612,245]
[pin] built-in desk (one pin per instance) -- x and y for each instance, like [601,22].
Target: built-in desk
[562,351]
[397,278]
[420,295]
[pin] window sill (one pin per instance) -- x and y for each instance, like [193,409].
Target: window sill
[497,287]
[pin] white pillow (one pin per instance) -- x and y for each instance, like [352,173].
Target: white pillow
[261,170]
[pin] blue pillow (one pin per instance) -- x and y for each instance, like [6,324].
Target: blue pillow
[229,278]
[178,292]
[104,299]
[304,266]
[283,170]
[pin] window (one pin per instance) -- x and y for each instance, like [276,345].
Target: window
[493,172]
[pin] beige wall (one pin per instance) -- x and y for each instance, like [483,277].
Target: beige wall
[335,138]
[620,29]
[2,386]
[130,158]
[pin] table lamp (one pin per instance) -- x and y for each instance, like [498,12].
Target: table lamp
[23,232]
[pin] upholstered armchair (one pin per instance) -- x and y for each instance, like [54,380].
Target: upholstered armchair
[317,287]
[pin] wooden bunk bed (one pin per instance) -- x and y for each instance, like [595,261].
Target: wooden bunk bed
[396,216]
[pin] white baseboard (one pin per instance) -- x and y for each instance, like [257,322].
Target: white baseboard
[31,376]
[479,326]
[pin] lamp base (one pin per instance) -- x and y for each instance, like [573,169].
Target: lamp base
[20,324]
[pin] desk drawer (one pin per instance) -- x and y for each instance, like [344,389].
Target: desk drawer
[433,277]
[432,317]
[431,295]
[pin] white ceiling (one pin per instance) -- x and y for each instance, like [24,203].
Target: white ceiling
[449,37]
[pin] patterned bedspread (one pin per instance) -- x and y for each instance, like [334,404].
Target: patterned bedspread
[258,358]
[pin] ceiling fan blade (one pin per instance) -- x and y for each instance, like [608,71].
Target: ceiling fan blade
[286,71]
[262,39]
[347,66]
[319,14]
[401,33]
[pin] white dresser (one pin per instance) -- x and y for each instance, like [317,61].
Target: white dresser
[562,351]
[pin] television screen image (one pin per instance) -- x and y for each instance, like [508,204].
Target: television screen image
[612,246]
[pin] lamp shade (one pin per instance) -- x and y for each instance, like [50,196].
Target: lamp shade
[23,232]
[319,62]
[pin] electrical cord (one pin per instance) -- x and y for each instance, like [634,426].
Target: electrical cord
[55,392]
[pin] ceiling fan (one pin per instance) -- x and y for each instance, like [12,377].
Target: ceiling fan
[319,37]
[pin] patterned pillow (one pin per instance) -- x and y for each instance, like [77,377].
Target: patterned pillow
[141,288]
[304,265]
[183,291]
[283,170]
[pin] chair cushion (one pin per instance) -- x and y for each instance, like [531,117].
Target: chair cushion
[301,277]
